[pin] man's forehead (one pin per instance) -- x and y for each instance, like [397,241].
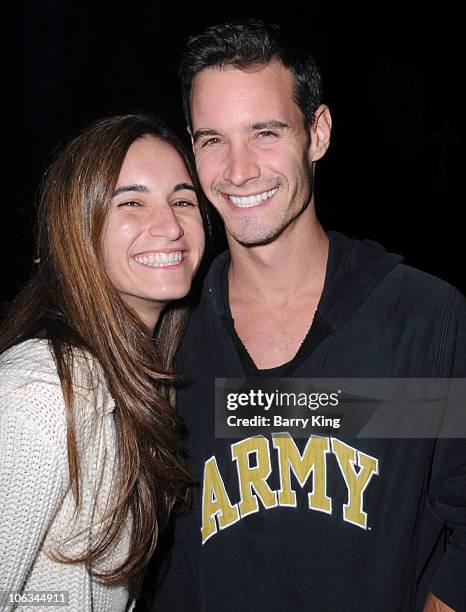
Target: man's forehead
[247,95]
[209,79]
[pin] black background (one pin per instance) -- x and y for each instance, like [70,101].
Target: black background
[392,79]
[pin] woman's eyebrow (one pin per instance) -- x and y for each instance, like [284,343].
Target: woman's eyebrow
[144,189]
[123,188]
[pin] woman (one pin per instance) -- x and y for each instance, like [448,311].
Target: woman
[90,452]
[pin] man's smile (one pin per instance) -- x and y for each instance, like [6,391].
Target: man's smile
[251,200]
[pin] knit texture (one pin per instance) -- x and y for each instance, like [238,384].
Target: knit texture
[37,507]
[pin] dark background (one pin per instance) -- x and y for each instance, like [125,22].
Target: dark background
[392,79]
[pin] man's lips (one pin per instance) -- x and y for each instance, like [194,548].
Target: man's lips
[250,201]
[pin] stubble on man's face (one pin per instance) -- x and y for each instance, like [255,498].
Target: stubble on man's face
[253,233]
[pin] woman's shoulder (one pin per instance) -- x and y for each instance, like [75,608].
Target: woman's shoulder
[31,398]
[29,356]
[29,380]
[30,362]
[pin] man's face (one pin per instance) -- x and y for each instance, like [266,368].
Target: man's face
[253,154]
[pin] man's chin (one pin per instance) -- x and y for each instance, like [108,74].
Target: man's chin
[253,240]
[259,236]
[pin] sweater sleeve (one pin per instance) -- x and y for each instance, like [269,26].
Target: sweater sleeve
[33,476]
[448,482]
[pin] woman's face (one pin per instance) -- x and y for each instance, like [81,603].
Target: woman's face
[153,238]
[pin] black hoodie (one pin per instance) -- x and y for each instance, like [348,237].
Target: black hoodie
[376,318]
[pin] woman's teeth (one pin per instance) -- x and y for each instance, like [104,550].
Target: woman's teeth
[252,200]
[160,260]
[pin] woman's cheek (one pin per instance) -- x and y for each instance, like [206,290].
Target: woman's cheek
[129,228]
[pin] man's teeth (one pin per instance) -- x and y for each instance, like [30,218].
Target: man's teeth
[160,260]
[252,200]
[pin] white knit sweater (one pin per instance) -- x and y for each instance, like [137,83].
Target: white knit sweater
[37,508]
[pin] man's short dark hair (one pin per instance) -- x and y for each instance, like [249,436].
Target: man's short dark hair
[246,44]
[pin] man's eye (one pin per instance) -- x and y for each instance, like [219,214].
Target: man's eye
[210,141]
[266,134]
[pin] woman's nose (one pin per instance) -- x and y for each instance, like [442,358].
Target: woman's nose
[165,224]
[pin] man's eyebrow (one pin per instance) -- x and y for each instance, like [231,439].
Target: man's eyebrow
[181,186]
[203,132]
[272,124]
[124,188]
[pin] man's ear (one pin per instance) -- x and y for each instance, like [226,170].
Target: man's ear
[320,130]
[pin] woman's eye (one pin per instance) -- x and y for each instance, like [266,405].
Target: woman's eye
[183,203]
[130,203]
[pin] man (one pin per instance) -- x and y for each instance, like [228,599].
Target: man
[321,523]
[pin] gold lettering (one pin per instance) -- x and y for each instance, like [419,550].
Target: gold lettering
[253,477]
[215,502]
[312,460]
[356,483]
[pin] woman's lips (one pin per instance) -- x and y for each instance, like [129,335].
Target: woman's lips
[160,259]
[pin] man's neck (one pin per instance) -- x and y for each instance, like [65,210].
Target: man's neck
[292,265]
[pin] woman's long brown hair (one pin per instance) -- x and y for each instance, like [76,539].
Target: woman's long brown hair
[71,302]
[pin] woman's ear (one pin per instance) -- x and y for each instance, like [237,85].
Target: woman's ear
[320,130]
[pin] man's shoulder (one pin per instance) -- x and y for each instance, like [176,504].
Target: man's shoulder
[419,297]
[421,283]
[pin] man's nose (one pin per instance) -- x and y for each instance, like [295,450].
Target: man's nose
[163,223]
[241,165]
